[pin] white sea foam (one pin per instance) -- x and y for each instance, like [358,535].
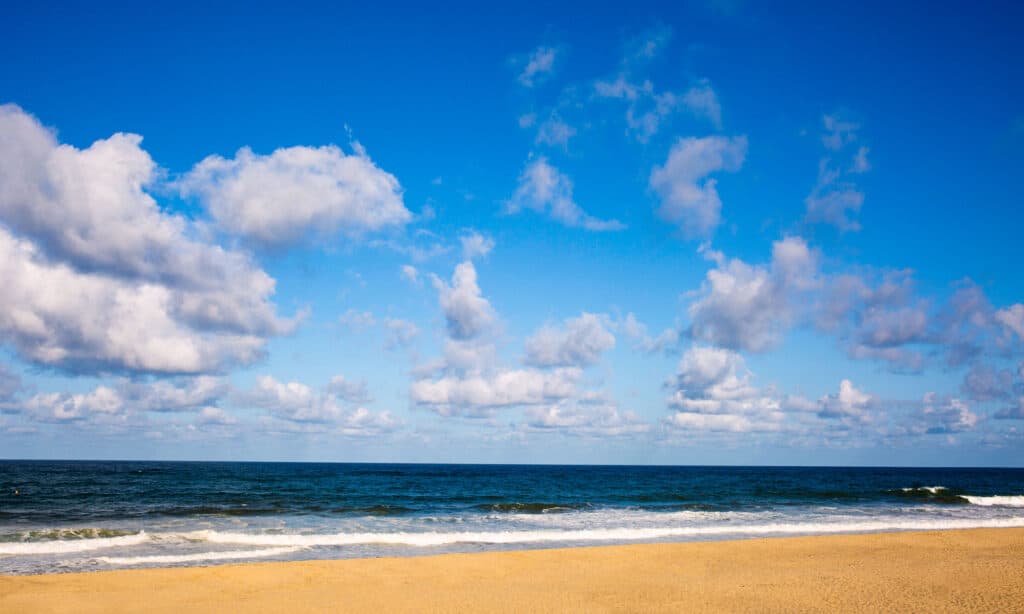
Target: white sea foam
[67,546]
[596,535]
[932,489]
[632,517]
[1008,501]
[170,559]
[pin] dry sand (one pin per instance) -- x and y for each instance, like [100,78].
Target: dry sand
[973,570]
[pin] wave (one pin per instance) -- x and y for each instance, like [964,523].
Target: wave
[216,510]
[941,494]
[530,508]
[589,535]
[930,494]
[52,534]
[170,559]
[1008,501]
[930,489]
[374,510]
[62,546]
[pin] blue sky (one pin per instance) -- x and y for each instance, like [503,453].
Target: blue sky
[708,232]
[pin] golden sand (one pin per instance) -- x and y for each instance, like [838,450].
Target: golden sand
[973,570]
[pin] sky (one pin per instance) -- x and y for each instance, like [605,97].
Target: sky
[710,232]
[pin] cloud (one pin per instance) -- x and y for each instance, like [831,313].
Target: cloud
[545,189]
[987,383]
[648,45]
[944,415]
[410,274]
[708,379]
[468,380]
[882,328]
[646,108]
[838,132]
[876,318]
[10,384]
[874,314]
[138,290]
[539,64]
[64,407]
[689,197]
[836,198]
[849,404]
[621,87]
[467,313]
[422,246]
[578,343]
[89,208]
[269,393]
[600,419]
[98,323]
[127,397]
[743,306]
[860,161]
[182,394]
[357,321]
[879,316]
[837,207]
[502,388]
[713,391]
[1013,412]
[901,360]
[280,199]
[475,245]
[216,416]
[666,341]
[333,407]
[730,423]
[401,333]
[348,390]
[1012,319]
[555,133]
[702,101]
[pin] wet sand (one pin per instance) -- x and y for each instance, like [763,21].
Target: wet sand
[969,570]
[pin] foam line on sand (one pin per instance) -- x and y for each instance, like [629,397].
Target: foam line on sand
[966,570]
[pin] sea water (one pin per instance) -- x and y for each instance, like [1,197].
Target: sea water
[58,516]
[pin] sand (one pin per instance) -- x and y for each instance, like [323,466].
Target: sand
[972,570]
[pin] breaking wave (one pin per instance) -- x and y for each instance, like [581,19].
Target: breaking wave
[1008,501]
[67,546]
[171,559]
[426,539]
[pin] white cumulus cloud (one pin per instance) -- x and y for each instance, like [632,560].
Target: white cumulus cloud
[689,196]
[475,245]
[282,198]
[713,391]
[334,408]
[743,306]
[578,342]
[467,313]
[545,189]
[500,388]
[98,278]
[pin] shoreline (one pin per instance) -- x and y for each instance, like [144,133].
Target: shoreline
[963,569]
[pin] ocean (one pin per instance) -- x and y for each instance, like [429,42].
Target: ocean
[64,516]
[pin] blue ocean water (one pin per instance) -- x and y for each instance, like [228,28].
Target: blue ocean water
[58,516]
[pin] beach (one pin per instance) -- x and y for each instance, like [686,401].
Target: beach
[963,570]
